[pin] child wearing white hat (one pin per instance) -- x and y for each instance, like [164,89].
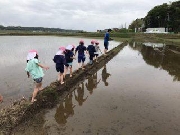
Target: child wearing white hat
[34,68]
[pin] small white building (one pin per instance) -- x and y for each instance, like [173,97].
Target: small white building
[156,30]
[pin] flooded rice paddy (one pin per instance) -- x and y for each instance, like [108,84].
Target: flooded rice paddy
[136,93]
[14,83]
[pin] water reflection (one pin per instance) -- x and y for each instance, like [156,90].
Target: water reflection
[60,115]
[105,75]
[95,80]
[66,108]
[69,105]
[160,56]
[80,94]
[92,83]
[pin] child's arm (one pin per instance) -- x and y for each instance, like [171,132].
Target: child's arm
[86,50]
[28,74]
[73,57]
[45,67]
[100,50]
[76,50]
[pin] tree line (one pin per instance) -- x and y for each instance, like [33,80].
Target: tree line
[36,29]
[165,15]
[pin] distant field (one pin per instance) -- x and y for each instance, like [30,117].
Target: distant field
[126,36]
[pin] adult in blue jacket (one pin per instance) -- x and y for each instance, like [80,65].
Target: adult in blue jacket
[106,40]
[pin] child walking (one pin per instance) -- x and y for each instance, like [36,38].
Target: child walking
[81,56]
[60,61]
[91,50]
[69,56]
[97,48]
[34,68]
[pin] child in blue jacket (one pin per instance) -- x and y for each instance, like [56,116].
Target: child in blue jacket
[91,50]
[81,49]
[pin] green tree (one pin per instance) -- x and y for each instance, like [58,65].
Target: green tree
[174,16]
[164,15]
[138,23]
[157,17]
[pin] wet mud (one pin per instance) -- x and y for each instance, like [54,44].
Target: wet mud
[22,110]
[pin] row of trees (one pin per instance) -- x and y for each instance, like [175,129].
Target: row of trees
[36,29]
[165,15]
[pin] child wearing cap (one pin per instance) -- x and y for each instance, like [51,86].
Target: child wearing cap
[69,56]
[97,48]
[91,50]
[34,68]
[81,56]
[60,61]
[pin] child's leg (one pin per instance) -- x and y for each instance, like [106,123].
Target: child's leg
[79,65]
[36,89]
[83,64]
[61,73]
[65,71]
[105,51]
[58,77]
[79,61]
[61,78]
[91,59]
[70,68]
[106,48]
[97,58]
[83,60]
[40,88]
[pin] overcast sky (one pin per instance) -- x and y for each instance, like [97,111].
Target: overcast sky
[87,15]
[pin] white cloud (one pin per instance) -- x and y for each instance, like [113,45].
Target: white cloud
[69,14]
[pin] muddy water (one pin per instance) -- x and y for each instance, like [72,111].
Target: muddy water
[14,83]
[136,93]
